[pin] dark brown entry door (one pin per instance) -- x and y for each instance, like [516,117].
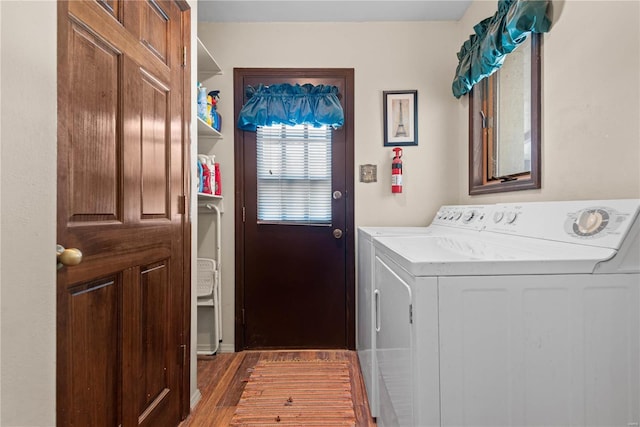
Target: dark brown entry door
[296,279]
[120,329]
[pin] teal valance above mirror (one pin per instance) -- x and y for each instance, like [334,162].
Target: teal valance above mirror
[497,36]
[291,105]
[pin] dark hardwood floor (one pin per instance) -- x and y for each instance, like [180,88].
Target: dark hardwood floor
[221,380]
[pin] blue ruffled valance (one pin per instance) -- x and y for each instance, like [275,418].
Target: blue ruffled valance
[497,36]
[291,105]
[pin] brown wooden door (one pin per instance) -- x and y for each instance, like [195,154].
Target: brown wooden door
[121,119]
[296,280]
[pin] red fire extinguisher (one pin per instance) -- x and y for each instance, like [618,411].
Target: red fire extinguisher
[396,171]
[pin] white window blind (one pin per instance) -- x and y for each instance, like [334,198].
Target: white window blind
[294,174]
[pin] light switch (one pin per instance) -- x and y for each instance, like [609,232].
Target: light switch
[368,173]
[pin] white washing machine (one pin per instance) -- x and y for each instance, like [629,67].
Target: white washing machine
[532,320]
[451,222]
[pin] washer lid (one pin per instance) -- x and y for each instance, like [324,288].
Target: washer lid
[369,232]
[468,255]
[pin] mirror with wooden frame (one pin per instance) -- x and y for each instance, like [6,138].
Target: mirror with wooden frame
[505,124]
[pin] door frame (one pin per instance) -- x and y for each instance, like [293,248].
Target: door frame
[239,76]
[185,374]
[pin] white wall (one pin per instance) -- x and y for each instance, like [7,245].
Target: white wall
[28,212]
[591,103]
[385,56]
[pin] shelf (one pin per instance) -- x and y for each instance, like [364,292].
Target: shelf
[207,132]
[207,66]
[205,197]
[210,208]
[210,199]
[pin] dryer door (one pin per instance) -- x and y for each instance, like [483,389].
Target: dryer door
[365,332]
[392,306]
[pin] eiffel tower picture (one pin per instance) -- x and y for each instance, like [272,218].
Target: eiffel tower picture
[400,112]
[400,130]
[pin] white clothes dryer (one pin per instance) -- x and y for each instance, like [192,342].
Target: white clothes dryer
[451,222]
[365,332]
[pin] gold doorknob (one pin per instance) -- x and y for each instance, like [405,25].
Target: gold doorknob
[67,257]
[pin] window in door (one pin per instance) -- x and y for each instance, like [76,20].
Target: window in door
[294,174]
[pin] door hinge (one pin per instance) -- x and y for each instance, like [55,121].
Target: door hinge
[244,214]
[184,56]
[182,354]
[243,322]
[411,314]
[182,204]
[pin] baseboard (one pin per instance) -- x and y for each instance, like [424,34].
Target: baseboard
[195,398]
[227,348]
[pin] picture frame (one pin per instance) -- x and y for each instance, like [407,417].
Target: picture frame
[400,117]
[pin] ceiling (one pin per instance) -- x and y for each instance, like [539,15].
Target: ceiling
[330,10]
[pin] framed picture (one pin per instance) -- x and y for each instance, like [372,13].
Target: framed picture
[400,116]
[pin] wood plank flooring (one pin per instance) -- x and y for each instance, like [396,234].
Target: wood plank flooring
[222,378]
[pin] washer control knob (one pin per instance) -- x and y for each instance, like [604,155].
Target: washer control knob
[511,217]
[591,222]
[497,217]
[468,216]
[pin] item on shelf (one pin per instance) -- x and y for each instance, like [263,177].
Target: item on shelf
[206,174]
[210,120]
[214,120]
[200,175]
[202,103]
[215,116]
[217,179]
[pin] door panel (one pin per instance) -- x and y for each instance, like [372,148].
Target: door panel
[148,357]
[154,28]
[297,279]
[93,144]
[93,387]
[120,201]
[295,288]
[155,331]
[155,150]
[111,6]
